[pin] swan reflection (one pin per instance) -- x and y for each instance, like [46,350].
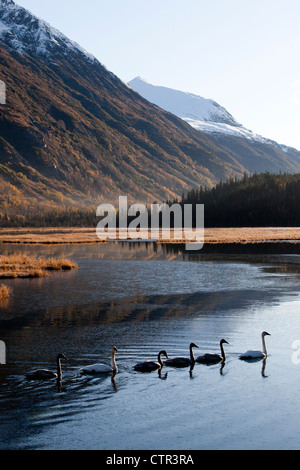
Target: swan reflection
[113,380]
[162,376]
[264,362]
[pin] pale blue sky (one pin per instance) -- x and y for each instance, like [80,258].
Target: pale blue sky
[243,54]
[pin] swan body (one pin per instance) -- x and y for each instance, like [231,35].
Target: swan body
[148,366]
[45,374]
[255,354]
[182,361]
[252,354]
[102,368]
[211,358]
[41,374]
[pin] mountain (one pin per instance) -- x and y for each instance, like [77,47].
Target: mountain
[205,115]
[190,107]
[72,134]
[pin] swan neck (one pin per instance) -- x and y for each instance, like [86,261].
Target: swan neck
[59,368]
[223,355]
[113,360]
[160,360]
[264,349]
[192,354]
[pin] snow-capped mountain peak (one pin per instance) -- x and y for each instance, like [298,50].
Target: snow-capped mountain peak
[203,114]
[182,104]
[26,34]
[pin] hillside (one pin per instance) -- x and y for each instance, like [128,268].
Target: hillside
[73,135]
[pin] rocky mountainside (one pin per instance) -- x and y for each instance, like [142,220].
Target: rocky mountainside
[73,135]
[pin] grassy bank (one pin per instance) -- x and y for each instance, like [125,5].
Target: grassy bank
[23,266]
[59,236]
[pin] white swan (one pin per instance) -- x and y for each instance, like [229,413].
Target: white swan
[211,358]
[183,361]
[45,374]
[148,366]
[102,368]
[253,354]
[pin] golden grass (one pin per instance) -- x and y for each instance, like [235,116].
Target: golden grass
[18,265]
[5,291]
[249,235]
[59,236]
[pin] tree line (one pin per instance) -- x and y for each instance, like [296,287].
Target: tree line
[264,199]
[257,200]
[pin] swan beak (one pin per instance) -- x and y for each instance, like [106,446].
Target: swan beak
[65,357]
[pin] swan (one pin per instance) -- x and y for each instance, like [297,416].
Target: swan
[183,361]
[211,358]
[149,366]
[252,354]
[44,374]
[102,368]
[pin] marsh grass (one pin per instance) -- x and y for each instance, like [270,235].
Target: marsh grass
[24,266]
[59,236]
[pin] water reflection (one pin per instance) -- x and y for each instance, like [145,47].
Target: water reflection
[162,376]
[264,362]
[147,251]
[59,385]
[222,368]
[113,380]
[137,309]
[254,360]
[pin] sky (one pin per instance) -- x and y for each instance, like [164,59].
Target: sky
[244,54]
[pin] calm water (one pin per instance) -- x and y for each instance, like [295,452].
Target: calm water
[142,299]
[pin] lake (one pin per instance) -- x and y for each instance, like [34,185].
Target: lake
[144,298]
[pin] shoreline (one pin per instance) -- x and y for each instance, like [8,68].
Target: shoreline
[212,236]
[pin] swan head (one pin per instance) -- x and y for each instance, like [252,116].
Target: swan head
[264,333]
[62,356]
[223,341]
[164,353]
[114,349]
[193,345]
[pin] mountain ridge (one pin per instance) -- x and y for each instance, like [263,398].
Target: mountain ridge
[40,38]
[172,100]
[201,113]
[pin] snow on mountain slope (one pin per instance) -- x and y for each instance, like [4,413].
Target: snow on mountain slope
[26,34]
[184,105]
[203,114]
